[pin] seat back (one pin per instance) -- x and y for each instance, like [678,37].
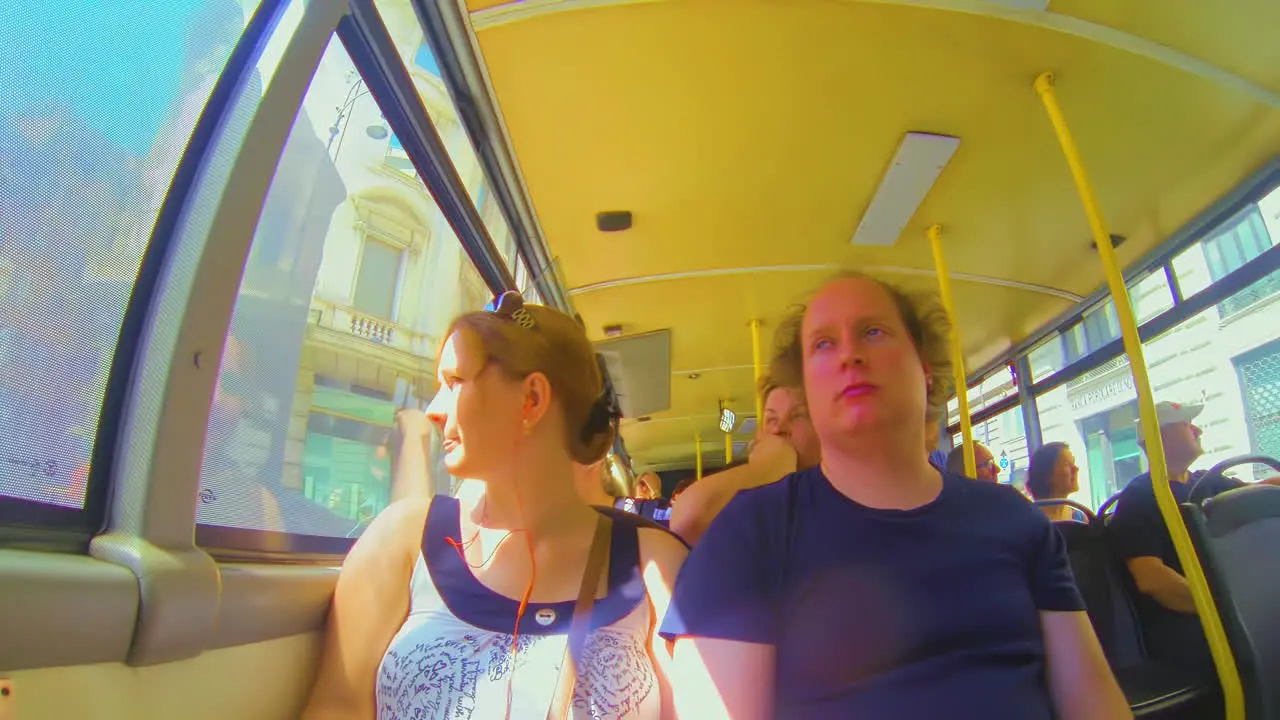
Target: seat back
[1101,584]
[1237,535]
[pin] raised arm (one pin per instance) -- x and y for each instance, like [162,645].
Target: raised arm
[410,474]
[771,459]
[369,605]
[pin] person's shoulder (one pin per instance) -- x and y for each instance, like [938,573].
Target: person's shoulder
[984,492]
[774,495]
[1138,492]
[395,535]
[643,525]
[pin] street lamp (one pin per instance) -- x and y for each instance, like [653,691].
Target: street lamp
[338,131]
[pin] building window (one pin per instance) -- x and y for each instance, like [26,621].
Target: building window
[378,279]
[1259,375]
[1242,239]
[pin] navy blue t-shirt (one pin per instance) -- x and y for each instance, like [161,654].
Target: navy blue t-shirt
[928,612]
[1137,529]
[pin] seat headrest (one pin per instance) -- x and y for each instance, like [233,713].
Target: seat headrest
[1231,510]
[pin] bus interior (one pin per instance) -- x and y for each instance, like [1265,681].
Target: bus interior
[233,231]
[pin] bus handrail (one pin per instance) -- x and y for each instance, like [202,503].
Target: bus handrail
[1215,633]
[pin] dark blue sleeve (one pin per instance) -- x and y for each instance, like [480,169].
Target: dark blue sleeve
[726,588]
[1227,483]
[1053,587]
[1136,528]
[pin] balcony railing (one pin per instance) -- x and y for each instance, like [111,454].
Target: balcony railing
[376,330]
[349,321]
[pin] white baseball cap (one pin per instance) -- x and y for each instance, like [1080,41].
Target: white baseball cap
[1172,413]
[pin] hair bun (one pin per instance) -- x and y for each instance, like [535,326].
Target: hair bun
[599,419]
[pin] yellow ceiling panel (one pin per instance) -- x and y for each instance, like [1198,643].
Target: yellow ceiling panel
[753,133]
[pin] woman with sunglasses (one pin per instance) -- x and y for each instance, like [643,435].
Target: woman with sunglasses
[516,599]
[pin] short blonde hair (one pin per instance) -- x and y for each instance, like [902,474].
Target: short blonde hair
[927,324]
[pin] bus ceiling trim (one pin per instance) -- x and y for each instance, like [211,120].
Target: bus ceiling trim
[873,269]
[679,418]
[1249,191]
[1014,11]
[453,41]
[718,368]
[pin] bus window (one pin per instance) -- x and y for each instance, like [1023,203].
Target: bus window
[402,22]
[351,280]
[98,111]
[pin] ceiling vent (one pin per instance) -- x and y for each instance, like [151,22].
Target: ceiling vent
[613,221]
[640,369]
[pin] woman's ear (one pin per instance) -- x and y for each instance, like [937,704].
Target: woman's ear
[537,399]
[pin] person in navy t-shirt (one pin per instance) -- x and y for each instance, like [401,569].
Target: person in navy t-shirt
[1141,541]
[874,586]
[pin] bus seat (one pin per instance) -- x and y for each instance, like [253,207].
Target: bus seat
[1155,691]
[1237,535]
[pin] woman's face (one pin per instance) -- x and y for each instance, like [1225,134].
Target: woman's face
[478,410]
[1065,474]
[647,487]
[786,415]
[861,369]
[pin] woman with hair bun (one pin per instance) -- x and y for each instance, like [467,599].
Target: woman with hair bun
[516,599]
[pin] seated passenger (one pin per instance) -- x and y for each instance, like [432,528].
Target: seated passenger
[465,607]
[932,439]
[681,487]
[987,469]
[784,443]
[874,586]
[1052,474]
[648,502]
[1141,540]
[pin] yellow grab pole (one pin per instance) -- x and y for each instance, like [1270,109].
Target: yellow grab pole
[728,448]
[1232,692]
[697,444]
[758,364]
[957,355]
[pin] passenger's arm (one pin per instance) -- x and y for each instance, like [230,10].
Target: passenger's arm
[772,458]
[369,606]
[409,477]
[723,615]
[724,679]
[1162,583]
[1080,681]
[661,556]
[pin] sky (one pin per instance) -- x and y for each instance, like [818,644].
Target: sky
[117,64]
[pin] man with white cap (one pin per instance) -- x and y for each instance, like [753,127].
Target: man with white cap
[1139,538]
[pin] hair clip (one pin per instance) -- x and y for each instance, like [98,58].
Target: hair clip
[511,306]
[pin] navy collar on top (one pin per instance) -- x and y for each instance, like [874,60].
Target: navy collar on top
[473,603]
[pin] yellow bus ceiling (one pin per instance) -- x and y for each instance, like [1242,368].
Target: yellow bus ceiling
[745,133]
